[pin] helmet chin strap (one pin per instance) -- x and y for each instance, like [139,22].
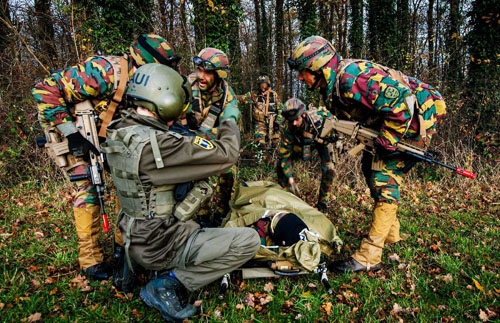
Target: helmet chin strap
[317,76]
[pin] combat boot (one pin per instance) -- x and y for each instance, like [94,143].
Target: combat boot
[162,294]
[123,278]
[90,255]
[351,265]
[100,271]
[384,225]
[322,207]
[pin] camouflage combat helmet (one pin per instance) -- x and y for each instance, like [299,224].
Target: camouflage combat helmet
[150,48]
[312,53]
[293,109]
[161,90]
[263,79]
[213,59]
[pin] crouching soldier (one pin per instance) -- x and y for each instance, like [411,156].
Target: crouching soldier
[398,106]
[97,83]
[157,173]
[299,136]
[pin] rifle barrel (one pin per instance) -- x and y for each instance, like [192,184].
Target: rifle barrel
[458,170]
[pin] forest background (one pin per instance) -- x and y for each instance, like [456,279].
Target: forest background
[453,45]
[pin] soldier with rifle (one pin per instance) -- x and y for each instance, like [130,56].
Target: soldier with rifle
[266,112]
[74,106]
[398,107]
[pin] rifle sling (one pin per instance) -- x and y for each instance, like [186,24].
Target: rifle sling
[214,112]
[107,116]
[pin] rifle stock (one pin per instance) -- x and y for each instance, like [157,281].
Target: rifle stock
[85,122]
[367,136]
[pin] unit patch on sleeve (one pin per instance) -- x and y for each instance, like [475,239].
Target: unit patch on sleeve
[203,143]
[391,92]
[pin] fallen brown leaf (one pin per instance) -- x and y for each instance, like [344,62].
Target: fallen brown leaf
[240,307]
[248,300]
[446,278]
[197,303]
[394,257]
[34,317]
[265,300]
[136,313]
[327,307]
[268,287]
[478,285]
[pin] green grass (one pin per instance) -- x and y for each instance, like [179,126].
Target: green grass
[447,246]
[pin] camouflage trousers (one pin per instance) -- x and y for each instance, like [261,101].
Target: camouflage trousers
[327,171]
[87,216]
[220,199]
[385,180]
[262,134]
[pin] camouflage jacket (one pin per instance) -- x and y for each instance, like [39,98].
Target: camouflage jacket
[364,91]
[258,100]
[298,136]
[93,79]
[199,109]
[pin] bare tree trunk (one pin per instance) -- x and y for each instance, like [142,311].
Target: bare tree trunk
[171,17]
[163,18]
[4,30]
[290,42]
[265,30]
[45,32]
[453,70]
[279,47]
[430,34]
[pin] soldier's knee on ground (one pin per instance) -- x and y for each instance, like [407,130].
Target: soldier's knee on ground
[245,240]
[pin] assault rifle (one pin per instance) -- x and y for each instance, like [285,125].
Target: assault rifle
[367,136]
[86,124]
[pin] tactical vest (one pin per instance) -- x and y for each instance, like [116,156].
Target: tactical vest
[123,150]
[316,124]
[207,117]
[265,105]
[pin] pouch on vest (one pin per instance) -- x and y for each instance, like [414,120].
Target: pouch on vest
[306,152]
[258,112]
[377,163]
[190,206]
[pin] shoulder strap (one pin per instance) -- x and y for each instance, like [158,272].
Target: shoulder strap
[267,103]
[117,98]
[214,112]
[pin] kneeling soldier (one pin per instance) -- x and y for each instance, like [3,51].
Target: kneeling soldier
[157,174]
[302,132]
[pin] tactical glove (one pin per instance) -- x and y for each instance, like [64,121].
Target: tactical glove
[79,146]
[384,153]
[230,113]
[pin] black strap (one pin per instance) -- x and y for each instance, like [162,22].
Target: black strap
[143,42]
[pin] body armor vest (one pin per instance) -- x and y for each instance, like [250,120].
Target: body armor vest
[123,150]
[207,117]
[265,105]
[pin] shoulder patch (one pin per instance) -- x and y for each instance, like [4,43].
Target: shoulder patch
[391,92]
[203,143]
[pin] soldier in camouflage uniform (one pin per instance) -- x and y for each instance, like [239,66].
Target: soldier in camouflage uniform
[299,135]
[95,79]
[402,107]
[212,95]
[266,112]
[151,164]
